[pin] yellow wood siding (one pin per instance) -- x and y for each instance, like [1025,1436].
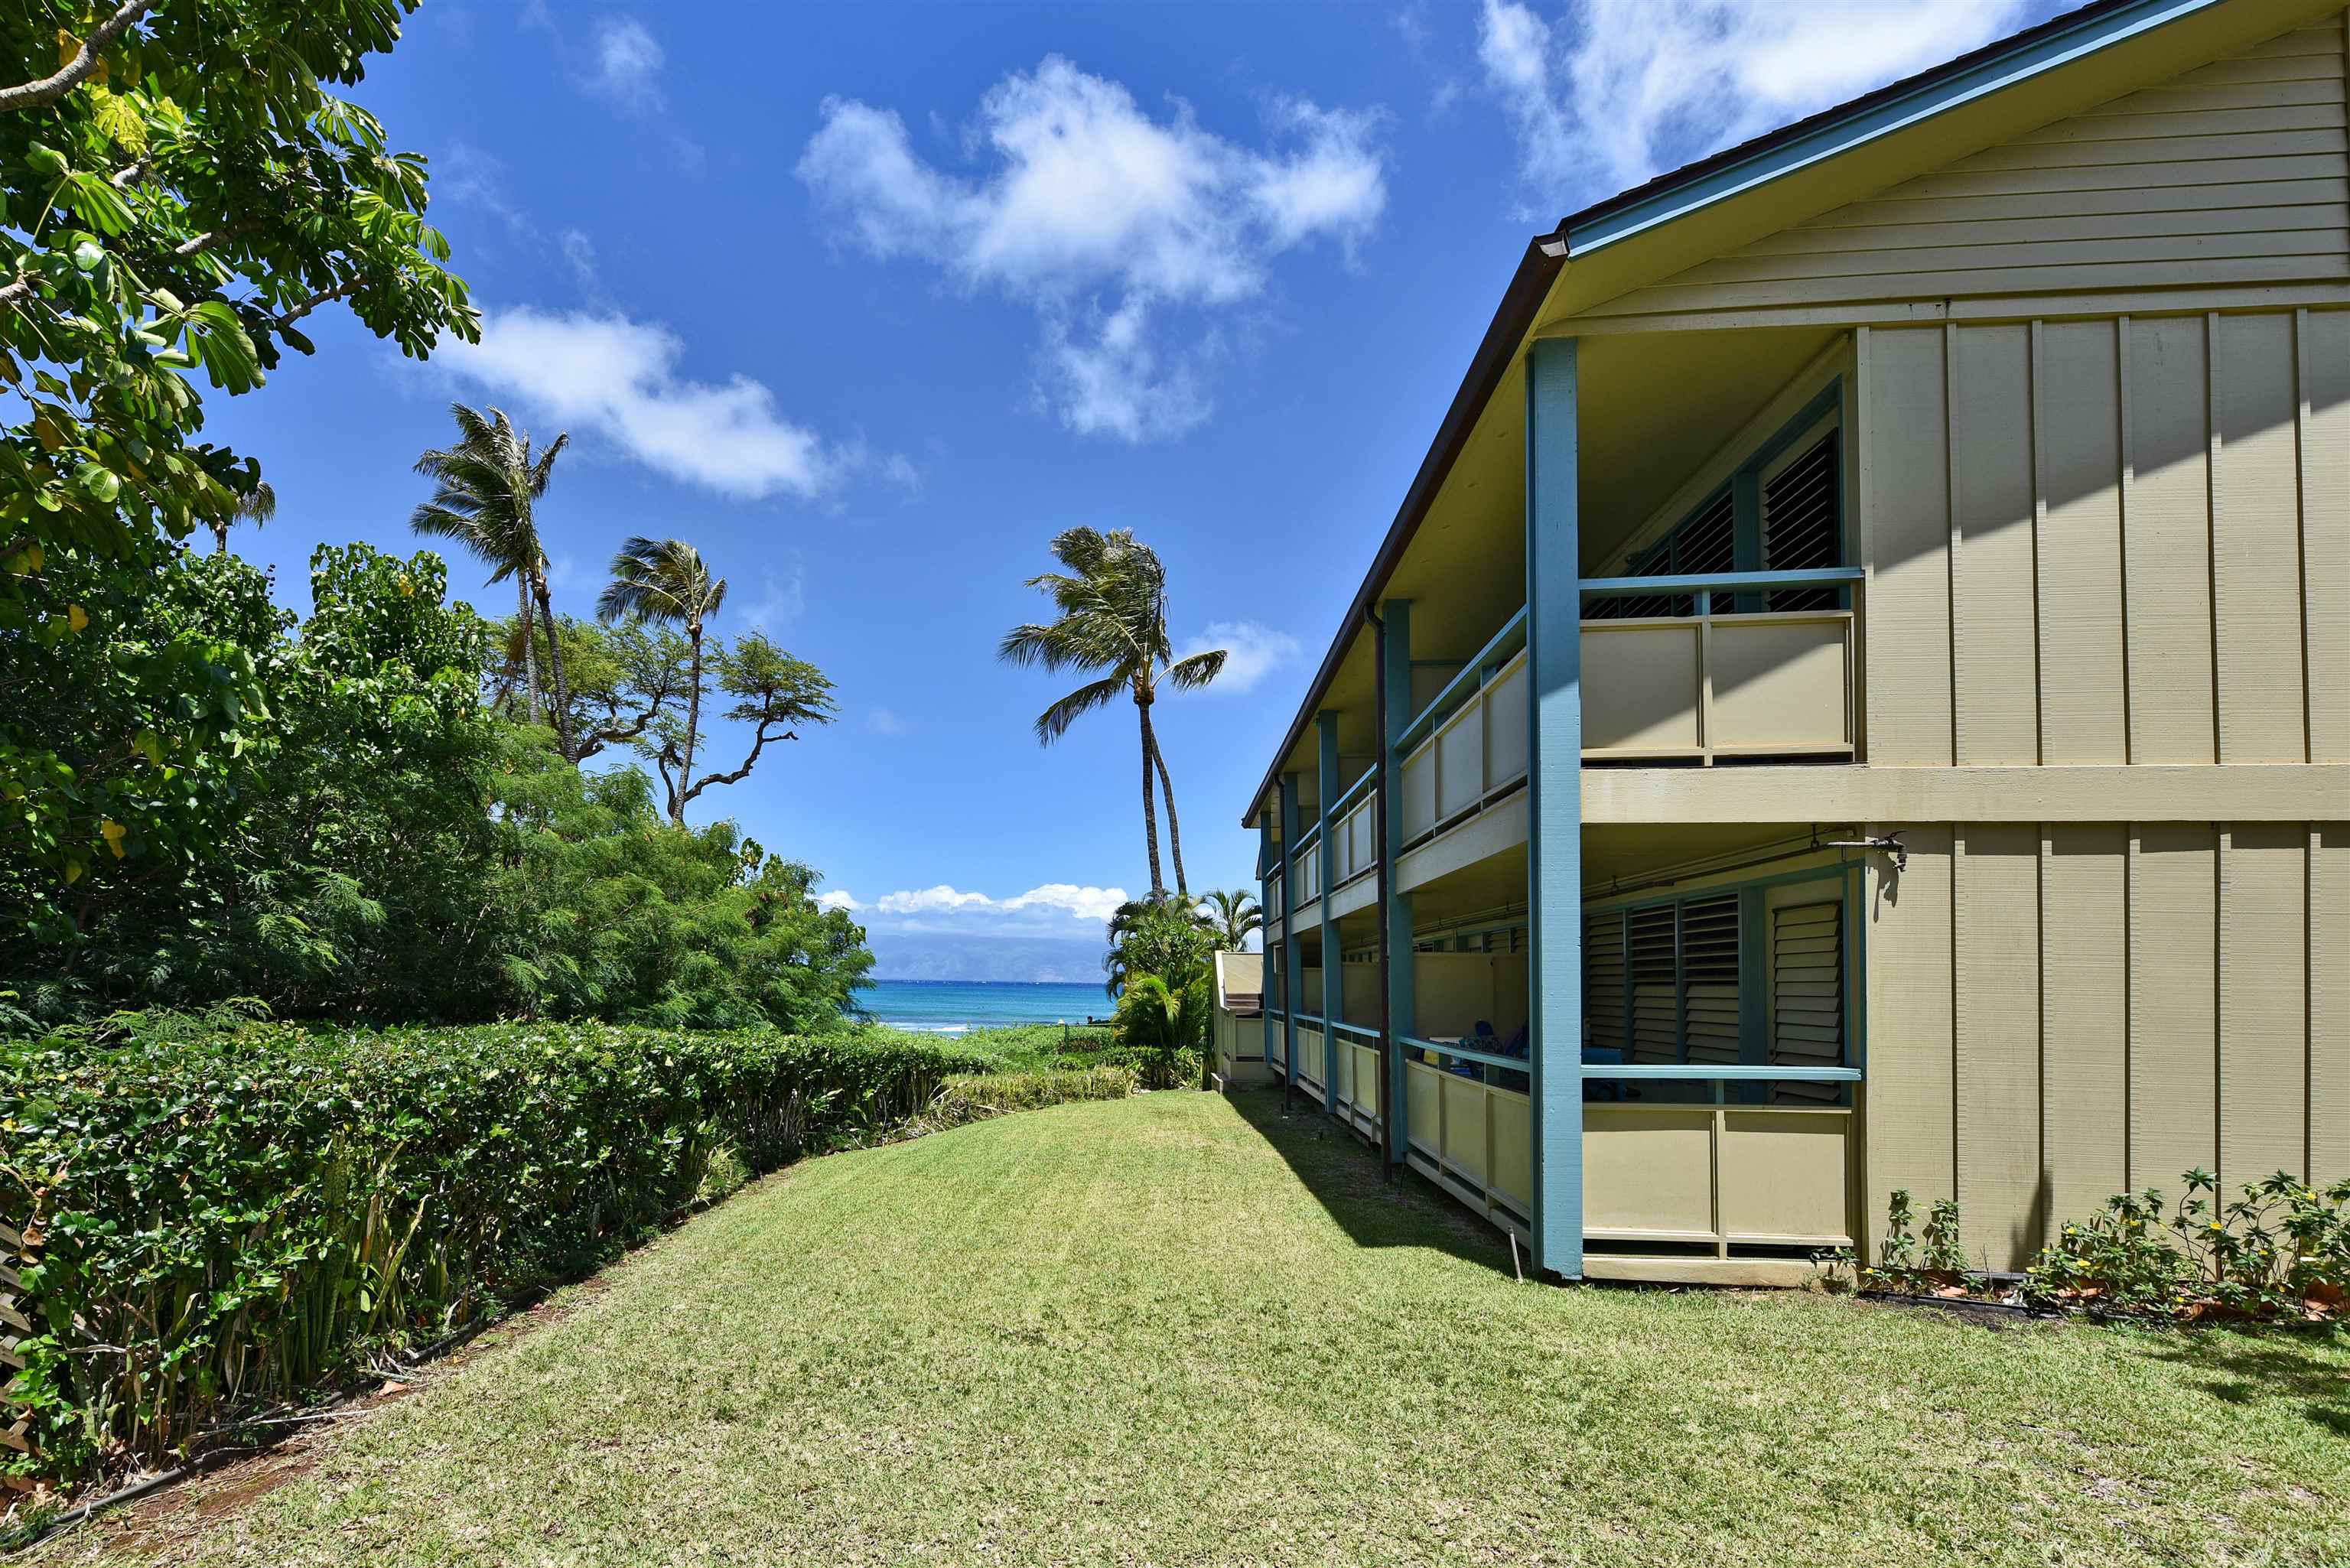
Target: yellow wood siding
[2059,1013]
[2234,172]
[1911,1106]
[2107,541]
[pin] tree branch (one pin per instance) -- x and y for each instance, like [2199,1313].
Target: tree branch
[758,745]
[48,90]
[300,308]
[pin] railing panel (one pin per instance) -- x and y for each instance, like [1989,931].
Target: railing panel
[1310,1068]
[1641,688]
[1718,1174]
[1460,760]
[1423,1123]
[1648,1169]
[1780,682]
[1505,726]
[1784,1173]
[1418,792]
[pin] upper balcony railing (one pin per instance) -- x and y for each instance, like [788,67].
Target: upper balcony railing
[1725,682]
[1468,746]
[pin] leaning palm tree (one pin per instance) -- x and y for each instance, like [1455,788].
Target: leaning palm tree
[1112,617]
[487,486]
[667,581]
[257,505]
[1236,918]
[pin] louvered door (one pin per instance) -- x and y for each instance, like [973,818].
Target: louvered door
[1603,980]
[1709,978]
[1656,1000]
[1807,993]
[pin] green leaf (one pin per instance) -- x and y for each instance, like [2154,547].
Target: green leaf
[102,482]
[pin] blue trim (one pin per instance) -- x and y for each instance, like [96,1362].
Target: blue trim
[1293,965]
[1720,1071]
[1772,162]
[1457,691]
[1821,577]
[1554,783]
[1353,794]
[1403,957]
[1516,1064]
[1355,1029]
[1334,979]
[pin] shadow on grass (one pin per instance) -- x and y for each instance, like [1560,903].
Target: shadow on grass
[2286,1365]
[1347,1177]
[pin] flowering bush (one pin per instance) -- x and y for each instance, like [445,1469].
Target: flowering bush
[2282,1250]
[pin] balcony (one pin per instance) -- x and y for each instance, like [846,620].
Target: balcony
[1730,681]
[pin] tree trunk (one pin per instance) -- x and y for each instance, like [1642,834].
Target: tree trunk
[1174,833]
[220,539]
[555,665]
[692,726]
[1149,811]
[529,647]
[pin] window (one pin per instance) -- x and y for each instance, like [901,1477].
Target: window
[1782,511]
[1660,983]
[1803,521]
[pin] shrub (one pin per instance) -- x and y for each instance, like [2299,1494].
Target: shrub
[220,1221]
[975,1097]
[2282,1250]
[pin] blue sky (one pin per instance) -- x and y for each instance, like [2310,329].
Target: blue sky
[868,301]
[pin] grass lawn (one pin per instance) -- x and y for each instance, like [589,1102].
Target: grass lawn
[1178,1329]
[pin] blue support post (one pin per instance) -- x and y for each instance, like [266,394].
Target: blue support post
[1554,845]
[1268,875]
[1403,968]
[1293,972]
[1334,983]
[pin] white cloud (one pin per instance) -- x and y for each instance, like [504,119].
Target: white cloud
[618,379]
[1105,219]
[837,899]
[781,601]
[1253,652]
[1631,87]
[883,722]
[628,61]
[1052,906]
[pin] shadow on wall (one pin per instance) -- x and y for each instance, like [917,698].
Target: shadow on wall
[1344,1176]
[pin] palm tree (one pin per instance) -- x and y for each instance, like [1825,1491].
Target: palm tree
[1237,916]
[1112,617]
[488,483]
[257,505]
[666,580]
[1156,936]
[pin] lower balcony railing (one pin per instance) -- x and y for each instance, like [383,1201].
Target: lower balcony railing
[1709,1176]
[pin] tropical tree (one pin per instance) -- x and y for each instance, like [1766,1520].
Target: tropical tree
[255,506]
[488,485]
[1237,917]
[183,184]
[1111,604]
[1162,937]
[666,581]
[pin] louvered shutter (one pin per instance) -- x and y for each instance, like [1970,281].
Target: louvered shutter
[1603,984]
[1807,994]
[1705,541]
[1801,523]
[1709,978]
[1656,1003]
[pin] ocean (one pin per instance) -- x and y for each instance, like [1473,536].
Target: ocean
[955,1007]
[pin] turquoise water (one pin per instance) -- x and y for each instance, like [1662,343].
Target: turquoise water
[954,1007]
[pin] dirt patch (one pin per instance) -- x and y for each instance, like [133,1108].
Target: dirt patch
[1982,1314]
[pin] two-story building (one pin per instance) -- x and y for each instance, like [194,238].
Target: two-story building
[1857,695]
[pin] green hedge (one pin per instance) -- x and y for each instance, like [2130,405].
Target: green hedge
[219,1223]
[975,1097]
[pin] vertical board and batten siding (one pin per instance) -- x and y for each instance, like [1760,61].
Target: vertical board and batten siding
[2060,1013]
[2234,172]
[2108,541]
